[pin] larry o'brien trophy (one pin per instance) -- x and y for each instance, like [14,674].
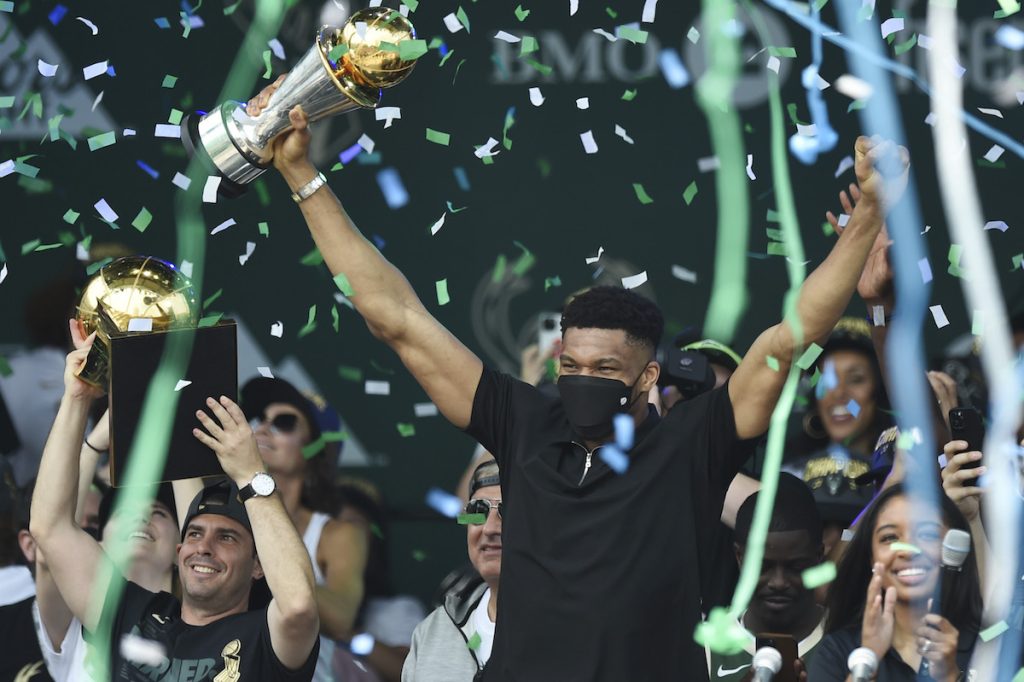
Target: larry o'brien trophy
[345,70]
[135,305]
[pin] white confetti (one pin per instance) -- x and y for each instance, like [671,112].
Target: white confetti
[507,37]
[1010,37]
[487,149]
[750,167]
[707,163]
[774,64]
[47,70]
[361,29]
[250,247]
[435,228]
[182,383]
[573,6]
[924,41]
[673,69]
[930,119]
[128,132]
[1020,97]
[144,651]
[926,270]
[926,228]
[878,315]
[844,219]
[693,35]
[589,145]
[425,409]
[6,168]
[223,226]
[210,189]
[167,130]
[81,253]
[536,98]
[993,154]
[650,7]
[821,83]
[991,112]
[890,26]
[277,329]
[140,324]
[3,273]
[593,259]
[452,22]
[387,114]
[99,98]
[362,644]
[853,87]
[105,211]
[181,181]
[366,143]
[265,372]
[807,130]
[276,47]
[377,387]
[844,165]
[939,316]
[583,103]
[92,26]
[679,272]
[997,225]
[621,132]
[606,34]
[93,70]
[633,281]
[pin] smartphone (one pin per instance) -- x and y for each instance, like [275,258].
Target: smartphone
[965,424]
[549,330]
[786,646]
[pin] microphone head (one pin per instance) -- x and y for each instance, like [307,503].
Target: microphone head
[767,657]
[956,545]
[863,657]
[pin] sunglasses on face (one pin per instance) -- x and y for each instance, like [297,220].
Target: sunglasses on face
[282,423]
[483,507]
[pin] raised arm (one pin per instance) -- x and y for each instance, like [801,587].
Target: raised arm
[292,614]
[446,369]
[755,387]
[343,552]
[74,558]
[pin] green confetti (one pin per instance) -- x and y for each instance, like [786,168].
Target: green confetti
[70,216]
[350,373]
[457,68]
[549,282]
[782,51]
[438,137]
[856,104]
[142,221]
[819,575]
[1019,677]
[809,356]
[381,368]
[29,247]
[777,249]
[612,13]
[266,63]
[419,555]
[210,320]
[906,45]
[230,9]
[335,320]
[1002,14]
[7,102]
[406,430]
[721,632]
[524,262]
[528,46]
[313,449]
[826,229]
[412,4]
[629,95]
[474,641]
[169,80]
[410,50]
[977,323]
[510,120]
[1018,260]
[772,216]
[991,632]
[334,436]
[5,367]
[774,234]
[521,13]
[174,118]
[633,35]
[641,194]
[773,362]
[54,127]
[499,268]
[905,547]
[445,58]
[452,209]
[385,46]
[102,140]
[690,192]
[460,14]
[213,297]
[337,52]
[314,257]
[341,281]
[442,291]
[264,229]
[818,4]
[310,322]
[48,247]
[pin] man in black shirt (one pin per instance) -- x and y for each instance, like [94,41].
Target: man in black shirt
[230,539]
[602,566]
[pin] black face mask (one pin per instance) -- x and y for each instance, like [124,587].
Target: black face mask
[591,403]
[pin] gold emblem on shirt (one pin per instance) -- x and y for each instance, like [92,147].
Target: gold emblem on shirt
[231,662]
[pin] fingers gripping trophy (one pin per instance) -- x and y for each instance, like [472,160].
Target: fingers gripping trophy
[345,70]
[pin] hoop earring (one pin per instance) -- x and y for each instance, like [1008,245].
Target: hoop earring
[813,426]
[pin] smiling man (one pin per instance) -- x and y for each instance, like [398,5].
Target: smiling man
[603,565]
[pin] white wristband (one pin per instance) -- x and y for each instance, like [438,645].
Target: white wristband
[307,190]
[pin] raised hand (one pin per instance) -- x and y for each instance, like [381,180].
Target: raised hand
[290,148]
[877,626]
[875,284]
[937,641]
[874,156]
[960,484]
[75,388]
[231,438]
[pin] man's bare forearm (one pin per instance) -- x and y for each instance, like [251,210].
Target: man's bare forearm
[54,499]
[380,292]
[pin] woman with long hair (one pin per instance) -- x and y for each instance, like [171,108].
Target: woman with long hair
[886,595]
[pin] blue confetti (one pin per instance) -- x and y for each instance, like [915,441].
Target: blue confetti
[162,22]
[853,407]
[391,186]
[148,169]
[57,13]
[362,644]
[672,69]
[379,241]
[442,49]
[110,70]
[624,426]
[615,458]
[373,159]
[350,153]
[829,379]
[461,178]
[444,502]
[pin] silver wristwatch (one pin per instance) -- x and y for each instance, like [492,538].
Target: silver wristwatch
[261,485]
[307,190]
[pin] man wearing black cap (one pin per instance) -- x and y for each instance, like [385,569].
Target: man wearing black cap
[231,538]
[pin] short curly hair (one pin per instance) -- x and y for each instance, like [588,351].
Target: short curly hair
[610,307]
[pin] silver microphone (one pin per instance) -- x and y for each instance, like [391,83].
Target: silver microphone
[862,664]
[767,662]
[956,545]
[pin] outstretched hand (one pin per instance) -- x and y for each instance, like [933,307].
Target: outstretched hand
[292,147]
[230,437]
[75,388]
[875,285]
[882,168]
[877,627]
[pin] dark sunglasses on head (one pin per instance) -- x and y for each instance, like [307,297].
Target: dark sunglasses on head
[483,507]
[282,423]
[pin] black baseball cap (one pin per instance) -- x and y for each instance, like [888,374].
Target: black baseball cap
[164,495]
[262,391]
[218,498]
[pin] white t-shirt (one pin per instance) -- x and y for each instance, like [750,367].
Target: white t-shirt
[67,665]
[482,624]
[16,584]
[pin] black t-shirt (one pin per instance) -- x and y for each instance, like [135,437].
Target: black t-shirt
[22,658]
[830,656]
[601,577]
[239,643]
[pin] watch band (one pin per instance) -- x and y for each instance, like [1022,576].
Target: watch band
[307,190]
[249,491]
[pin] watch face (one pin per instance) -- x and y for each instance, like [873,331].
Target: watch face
[262,484]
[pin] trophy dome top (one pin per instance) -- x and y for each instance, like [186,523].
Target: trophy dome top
[362,35]
[138,287]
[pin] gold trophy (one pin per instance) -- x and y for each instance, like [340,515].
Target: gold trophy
[345,70]
[132,294]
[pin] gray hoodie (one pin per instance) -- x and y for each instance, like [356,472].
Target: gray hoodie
[440,644]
